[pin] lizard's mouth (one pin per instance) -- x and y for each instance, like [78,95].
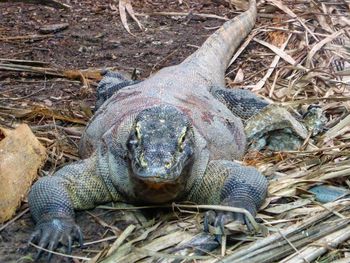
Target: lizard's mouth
[156,175]
[159,172]
[159,185]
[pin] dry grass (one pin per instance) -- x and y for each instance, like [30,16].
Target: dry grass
[303,51]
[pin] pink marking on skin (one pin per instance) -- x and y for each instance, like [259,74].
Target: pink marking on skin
[207,117]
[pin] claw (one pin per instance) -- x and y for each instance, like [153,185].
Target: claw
[45,238]
[54,231]
[219,219]
[43,243]
[38,255]
[52,245]
[69,247]
[240,218]
[200,244]
[218,238]
[79,235]
[49,256]
[33,237]
[249,225]
[222,219]
[209,218]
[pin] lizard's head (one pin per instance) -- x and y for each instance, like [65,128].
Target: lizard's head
[160,145]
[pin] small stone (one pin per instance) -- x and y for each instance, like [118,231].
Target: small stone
[54,28]
[328,193]
[157,43]
[48,102]
[82,49]
[169,42]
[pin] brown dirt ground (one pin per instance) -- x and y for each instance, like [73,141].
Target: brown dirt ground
[95,38]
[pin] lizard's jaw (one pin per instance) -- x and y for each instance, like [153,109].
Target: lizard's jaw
[159,185]
[157,190]
[156,171]
[150,191]
[157,175]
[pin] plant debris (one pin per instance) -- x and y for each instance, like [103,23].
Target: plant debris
[55,28]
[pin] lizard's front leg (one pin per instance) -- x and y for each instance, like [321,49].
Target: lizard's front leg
[111,83]
[229,183]
[53,199]
[242,103]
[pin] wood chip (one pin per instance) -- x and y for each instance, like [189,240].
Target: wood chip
[54,28]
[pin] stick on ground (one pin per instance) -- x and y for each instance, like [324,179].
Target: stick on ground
[51,3]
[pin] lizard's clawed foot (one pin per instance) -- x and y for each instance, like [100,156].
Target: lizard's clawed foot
[111,83]
[218,220]
[49,233]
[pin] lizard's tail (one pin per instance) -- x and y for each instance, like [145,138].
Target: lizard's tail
[215,54]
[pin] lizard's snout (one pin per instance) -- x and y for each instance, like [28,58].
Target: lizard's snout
[157,174]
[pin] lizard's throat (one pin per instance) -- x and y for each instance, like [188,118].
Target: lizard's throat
[153,190]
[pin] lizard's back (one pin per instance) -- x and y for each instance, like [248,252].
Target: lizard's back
[179,86]
[186,86]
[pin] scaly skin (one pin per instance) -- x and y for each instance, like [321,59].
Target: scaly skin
[168,138]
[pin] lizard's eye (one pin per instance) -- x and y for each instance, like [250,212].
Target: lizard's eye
[167,164]
[138,131]
[182,139]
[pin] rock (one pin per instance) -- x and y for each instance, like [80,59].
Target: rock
[328,193]
[49,29]
[275,128]
[21,155]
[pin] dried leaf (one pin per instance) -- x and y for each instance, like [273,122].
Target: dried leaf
[239,76]
[320,44]
[125,6]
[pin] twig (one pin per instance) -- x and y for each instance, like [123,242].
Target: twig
[51,3]
[125,6]
[25,68]
[121,239]
[284,8]
[57,253]
[313,251]
[335,130]
[280,52]
[185,14]
[82,75]
[14,219]
[261,83]
[242,47]
[24,62]
[319,45]
[25,37]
